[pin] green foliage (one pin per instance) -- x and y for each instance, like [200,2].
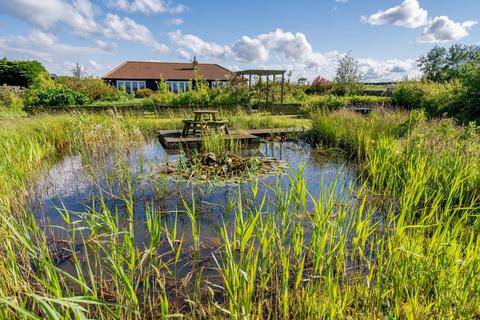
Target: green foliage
[11,103]
[441,64]
[319,85]
[60,97]
[333,102]
[231,95]
[144,93]
[95,89]
[148,104]
[467,106]
[20,73]
[438,151]
[347,88]
[403,245]
[434,98]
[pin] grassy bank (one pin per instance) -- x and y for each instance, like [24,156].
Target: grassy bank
[405,247]
[399,150]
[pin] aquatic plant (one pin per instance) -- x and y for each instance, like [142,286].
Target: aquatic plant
[413,256]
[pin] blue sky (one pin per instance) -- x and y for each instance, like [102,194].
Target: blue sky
[303,36]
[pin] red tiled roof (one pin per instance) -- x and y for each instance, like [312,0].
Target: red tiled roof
[144,70]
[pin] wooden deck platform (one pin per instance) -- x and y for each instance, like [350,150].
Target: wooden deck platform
[172,139]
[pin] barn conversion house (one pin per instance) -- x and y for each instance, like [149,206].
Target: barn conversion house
[134,75]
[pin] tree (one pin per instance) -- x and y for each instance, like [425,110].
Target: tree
[20,73]
[348,77]
[348,70]
[79,72]
[468,104]
[441,64]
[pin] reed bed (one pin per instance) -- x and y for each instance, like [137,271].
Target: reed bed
[413,255]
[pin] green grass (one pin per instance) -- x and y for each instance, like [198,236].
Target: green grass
[418,258]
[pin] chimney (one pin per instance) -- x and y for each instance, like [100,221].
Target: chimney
[195,63]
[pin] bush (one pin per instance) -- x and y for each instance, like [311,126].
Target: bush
[10,101]
[347,88]
[95,89]
[60,97]
[434,98]
[144,93]
[20,73]
[148,104]
[319,86]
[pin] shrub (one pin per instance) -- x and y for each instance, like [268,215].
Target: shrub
[60,97]
[347,88]
[144,93]
[10,101]
[319,85]
[20,73]
[148,104]
[231,95]
[434,98]
[95,89]
[162,99]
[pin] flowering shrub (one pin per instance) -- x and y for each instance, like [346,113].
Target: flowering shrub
[320,85]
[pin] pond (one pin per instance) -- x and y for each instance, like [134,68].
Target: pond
[130,187]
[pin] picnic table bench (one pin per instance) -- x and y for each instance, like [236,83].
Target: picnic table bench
[203,122]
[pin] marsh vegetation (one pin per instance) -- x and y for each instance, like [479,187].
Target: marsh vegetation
[375,217]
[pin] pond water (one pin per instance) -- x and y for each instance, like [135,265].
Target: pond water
[77,185]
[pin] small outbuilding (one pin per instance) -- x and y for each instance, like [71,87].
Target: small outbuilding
[134,75]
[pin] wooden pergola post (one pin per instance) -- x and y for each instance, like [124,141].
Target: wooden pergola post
[266,103]
[266,73]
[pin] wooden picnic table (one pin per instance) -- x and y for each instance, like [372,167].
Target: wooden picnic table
[202,115]
[203,121]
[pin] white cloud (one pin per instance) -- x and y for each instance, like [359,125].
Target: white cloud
[79,15]
[127,29]
[287,45]
[388,70]
[442,29]
[409,14]
[146,6]
[290,51]
[192,44]
[46,13]
[58,57]
[175,21]
[250,50]
[106,45]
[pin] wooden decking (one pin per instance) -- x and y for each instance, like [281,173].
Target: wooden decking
[173,139]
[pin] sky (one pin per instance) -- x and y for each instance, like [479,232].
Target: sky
[302,36]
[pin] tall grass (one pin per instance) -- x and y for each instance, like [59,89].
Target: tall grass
[399,151]
[416,256]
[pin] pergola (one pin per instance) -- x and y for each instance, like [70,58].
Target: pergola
[264,73]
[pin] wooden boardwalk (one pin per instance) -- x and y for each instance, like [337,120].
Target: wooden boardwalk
[173,139]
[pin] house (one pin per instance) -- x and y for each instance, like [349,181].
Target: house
[134,75]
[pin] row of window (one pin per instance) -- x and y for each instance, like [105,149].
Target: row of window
[174,86]
[131,86]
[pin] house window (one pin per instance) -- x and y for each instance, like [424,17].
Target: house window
[178,86]
[218,84]
[131,86]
